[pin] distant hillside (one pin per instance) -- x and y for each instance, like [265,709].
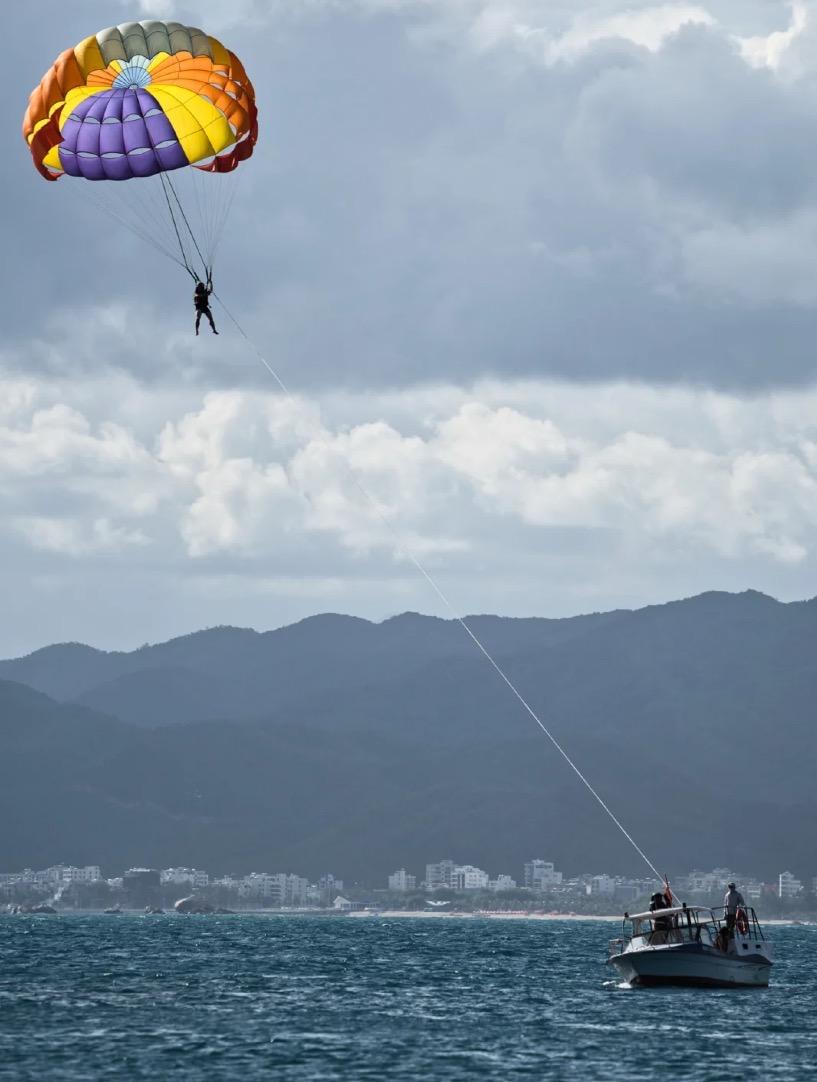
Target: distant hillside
[241,673]
[345,745]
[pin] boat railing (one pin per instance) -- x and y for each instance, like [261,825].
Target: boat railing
[753,929]
[693,925]
[615,946]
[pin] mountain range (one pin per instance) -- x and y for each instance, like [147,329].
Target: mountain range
[337,744]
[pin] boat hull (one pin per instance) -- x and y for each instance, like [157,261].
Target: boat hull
[689,964]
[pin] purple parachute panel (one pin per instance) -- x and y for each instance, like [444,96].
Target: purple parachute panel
[117,135]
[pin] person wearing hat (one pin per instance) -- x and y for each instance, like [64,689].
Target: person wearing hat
[732,901]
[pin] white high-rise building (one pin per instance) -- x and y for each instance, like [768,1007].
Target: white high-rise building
[291,889]
[710,882]
[228,881]
[438,876]
[257,885]
[467,877]
[181,876]
[277,889]
[91,873]
[788,886]
[62,874]
[541,875]
[602,884]
[401,881]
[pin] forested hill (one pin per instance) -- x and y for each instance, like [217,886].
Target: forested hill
[341,744]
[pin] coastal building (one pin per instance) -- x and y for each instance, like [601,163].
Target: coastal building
[502,882]
[576,885]
[228,882]
[602,884]
[401,881]
[439,876]
[257,885]
[788,886]
[290,890]
[541,875]
[273,888]
[629,889]
[467,877]
[10,880]
[69,873]
[56,876]
[185,876]
[343,905]
[752,889]
[708,882]
[325,891]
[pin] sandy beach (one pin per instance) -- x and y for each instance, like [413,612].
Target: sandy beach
[421,914]
[424,914]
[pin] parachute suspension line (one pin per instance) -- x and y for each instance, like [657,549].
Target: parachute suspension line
[207,205]
[142,233]
[208,270]
[224,216]
[200,208]
[152,201]
[432,582]
[204,204]
[186,263]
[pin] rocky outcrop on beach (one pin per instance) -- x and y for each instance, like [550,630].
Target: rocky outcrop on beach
[193,905]
[42,909]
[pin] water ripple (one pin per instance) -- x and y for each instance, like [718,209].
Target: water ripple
[308,999]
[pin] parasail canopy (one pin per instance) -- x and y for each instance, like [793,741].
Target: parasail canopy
[141,99]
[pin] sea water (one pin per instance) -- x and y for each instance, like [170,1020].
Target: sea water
[420,1000]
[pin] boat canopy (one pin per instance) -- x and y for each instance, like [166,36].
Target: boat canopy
[673,911]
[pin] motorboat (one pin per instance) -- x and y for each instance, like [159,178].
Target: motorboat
[692,945]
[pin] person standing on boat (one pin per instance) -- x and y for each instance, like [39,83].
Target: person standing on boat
[661,925]
[732,902]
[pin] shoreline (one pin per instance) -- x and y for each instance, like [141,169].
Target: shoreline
[606,918]
[400,914]
[421,914]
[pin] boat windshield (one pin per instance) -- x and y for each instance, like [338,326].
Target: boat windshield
[675,926]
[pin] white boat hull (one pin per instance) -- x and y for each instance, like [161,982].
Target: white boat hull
[694,964]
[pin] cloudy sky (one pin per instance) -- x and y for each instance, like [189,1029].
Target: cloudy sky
[540,276]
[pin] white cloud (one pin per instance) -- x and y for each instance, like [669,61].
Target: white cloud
[98,476]
[521,497]
[552,31]
[647,27]
[769,50]
[240,473]
[72,537]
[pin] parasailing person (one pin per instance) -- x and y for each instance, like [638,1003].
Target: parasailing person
[143,110]
[201,299]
